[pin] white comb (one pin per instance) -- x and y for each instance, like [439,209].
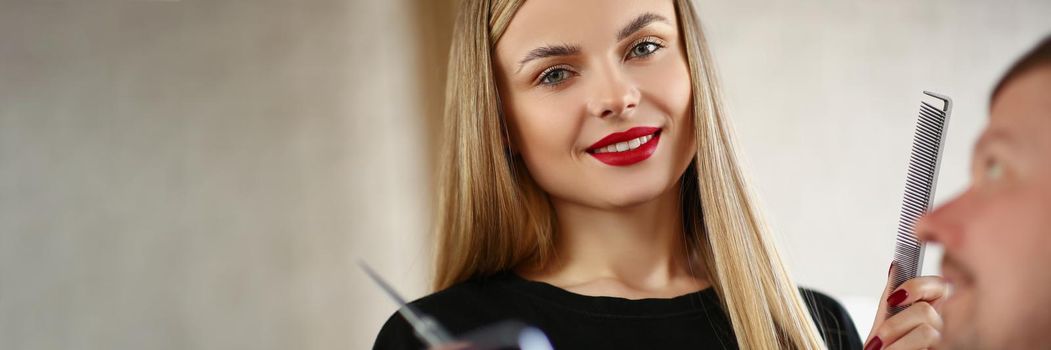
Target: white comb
[920,183]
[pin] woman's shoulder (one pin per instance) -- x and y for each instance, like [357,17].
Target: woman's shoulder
[459,308]
[832,320]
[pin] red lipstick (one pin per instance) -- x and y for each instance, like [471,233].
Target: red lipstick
[611,149]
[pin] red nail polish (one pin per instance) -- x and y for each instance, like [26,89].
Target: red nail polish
[897,298]
[874,344]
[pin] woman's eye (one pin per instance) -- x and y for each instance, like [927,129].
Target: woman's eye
[645,48]
[554,76]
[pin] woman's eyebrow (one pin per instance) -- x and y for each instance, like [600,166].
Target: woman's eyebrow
[635,25]
[638,23]
[548,51]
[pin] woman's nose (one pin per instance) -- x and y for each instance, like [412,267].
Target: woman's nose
[615,95]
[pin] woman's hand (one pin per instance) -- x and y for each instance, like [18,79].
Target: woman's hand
[919,326]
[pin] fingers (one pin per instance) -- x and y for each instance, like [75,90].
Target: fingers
[922,337]
[930,289]
[916,327]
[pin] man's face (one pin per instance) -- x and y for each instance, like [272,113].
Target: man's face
[997,234]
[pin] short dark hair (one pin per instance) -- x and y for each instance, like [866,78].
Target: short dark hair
[1037,57]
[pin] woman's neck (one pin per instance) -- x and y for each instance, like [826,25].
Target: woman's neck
[633,252]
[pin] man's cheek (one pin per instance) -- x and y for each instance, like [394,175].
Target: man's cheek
[1026,221]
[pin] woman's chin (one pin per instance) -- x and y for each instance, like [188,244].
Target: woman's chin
[630,198]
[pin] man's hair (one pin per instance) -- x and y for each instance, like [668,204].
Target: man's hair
[1038,56]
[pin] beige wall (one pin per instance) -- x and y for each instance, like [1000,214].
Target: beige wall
[204,174]
[824,96]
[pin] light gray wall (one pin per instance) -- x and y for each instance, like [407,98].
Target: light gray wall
[204,174]
[825,96]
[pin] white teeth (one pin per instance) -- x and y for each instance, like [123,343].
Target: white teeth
[626,145]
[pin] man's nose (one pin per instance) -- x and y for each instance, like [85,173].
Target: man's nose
[615,94]
[944,224]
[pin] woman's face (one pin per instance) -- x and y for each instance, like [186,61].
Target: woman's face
[596,94]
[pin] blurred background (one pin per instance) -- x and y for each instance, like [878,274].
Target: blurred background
[205,174]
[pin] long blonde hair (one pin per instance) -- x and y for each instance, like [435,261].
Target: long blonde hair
[493,217]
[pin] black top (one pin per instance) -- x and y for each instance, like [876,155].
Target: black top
[574,321]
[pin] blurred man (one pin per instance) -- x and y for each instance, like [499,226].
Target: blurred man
[997,234]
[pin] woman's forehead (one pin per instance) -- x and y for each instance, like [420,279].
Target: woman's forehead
[575,22]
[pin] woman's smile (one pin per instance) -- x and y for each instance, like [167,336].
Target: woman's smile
[626,148]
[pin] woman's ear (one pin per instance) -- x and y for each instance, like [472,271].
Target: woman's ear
[506,134]
[509,140]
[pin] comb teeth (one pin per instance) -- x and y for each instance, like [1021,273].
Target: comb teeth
[920,183]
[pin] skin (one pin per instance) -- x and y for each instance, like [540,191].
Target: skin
[997,233]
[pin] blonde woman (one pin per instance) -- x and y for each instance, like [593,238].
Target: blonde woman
[589,188]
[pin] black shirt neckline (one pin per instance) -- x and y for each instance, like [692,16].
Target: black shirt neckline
[694,320]
[689,303]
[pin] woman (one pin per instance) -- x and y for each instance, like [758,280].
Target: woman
[590,188]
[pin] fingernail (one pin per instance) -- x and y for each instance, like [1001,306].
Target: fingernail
[897,297]
[874,344]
